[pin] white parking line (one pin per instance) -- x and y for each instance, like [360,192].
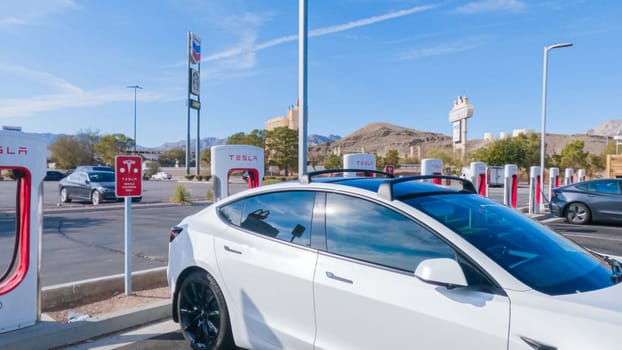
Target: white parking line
[615,239]
[122,339]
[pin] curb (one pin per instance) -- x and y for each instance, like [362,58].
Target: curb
[54,334]
[87,291]
[46,334]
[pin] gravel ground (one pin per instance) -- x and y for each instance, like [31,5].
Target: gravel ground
[115,303]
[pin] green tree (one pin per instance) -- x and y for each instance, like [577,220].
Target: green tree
[69,151]
[524,151]
[333,161]
[572,155]
[111,145]
[172,156]
[206,156]
[392,157]
[282,147]
[254,138]
[379,162]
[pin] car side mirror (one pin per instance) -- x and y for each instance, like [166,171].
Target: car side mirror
[442,271]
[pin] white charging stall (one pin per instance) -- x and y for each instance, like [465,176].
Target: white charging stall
[479,178]
[510,187]
[580,175]
[229,158]
[432,166]
[534,190]
[362,161]
[25,156]
[553,180]
[568,176]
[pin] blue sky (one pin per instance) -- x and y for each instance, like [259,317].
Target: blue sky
[65,64]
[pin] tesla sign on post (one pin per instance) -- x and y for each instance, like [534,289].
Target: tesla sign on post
[128,180]
[128,177]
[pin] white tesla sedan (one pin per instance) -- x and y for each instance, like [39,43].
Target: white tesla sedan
[378,263]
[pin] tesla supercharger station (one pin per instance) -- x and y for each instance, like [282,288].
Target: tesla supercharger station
[553,180]
[25,156]
[510,187]
[580,175]
[228,158]
[568,176]
[478,177]
[362,161]
[534,190]
[432,166]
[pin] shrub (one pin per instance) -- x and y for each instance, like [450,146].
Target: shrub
[189,177]
[181,195]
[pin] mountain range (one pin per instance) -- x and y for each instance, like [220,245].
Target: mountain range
[380,137]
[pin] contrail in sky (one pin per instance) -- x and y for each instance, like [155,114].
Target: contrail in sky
[318,32]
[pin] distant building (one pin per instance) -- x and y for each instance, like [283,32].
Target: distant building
[290,121]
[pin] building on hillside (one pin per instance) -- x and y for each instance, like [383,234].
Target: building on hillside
[290,121]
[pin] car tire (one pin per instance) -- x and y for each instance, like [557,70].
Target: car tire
[64,196]
[578,213]
[96,197]
[202,313]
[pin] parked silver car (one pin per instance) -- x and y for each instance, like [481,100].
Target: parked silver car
[598,200]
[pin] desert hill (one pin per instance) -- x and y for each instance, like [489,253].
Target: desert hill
[381,137]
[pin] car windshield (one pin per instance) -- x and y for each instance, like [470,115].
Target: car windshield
[537,256]
[103,176]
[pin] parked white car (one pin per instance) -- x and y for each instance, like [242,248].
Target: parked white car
[380,263]
[161,176]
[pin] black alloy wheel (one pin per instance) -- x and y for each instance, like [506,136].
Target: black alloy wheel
[202,313]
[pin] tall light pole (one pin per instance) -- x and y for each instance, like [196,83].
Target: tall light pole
[546,56]
[134,87]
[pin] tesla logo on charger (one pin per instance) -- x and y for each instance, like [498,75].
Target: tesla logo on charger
[8,150]
[364,163]
[128,176]
[243,157]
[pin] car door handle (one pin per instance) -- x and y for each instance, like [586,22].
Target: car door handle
[232,250]
[337,278]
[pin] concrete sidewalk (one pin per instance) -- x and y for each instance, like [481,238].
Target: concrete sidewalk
[49,334]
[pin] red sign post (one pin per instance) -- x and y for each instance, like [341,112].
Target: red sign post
[128,171]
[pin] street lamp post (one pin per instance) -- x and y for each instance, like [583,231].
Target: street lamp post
[134,87]
[543,129]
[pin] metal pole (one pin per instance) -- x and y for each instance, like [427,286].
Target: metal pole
[302,87]
[188,117]
[197,156]
[134,87]
[543,126]
[128,245]
[546,52]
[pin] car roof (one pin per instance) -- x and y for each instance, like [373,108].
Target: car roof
[390,187]
[94,167]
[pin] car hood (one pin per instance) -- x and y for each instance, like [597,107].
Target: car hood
[606,299]
[575,321]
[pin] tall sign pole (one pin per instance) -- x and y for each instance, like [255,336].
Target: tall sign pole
[194,89]
[458,115]
[302,88]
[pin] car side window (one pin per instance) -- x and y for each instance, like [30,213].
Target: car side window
[281,215]
[367,231]
[605,187]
